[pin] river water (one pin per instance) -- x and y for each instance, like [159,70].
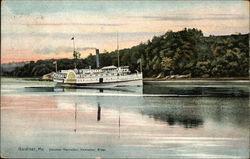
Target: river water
[39,120]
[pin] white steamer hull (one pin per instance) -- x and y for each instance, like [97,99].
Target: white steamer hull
[105,85]
[103,81]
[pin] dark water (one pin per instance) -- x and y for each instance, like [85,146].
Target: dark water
[39,120]
[197,88]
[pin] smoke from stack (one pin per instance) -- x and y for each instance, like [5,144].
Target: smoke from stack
[97,58]
[85,48]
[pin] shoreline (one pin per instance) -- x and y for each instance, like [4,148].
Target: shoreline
[157,79]
[196,79]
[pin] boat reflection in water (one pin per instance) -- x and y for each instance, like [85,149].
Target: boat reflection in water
[75,117]
[98,117]
[163,121]
[99,112]
[125,89]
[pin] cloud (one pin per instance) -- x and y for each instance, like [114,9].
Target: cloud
[59,50]
[45,51]
[188,17]
[6,11]
[80,24]
[81,36]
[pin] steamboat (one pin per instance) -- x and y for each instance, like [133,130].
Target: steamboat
[108,76]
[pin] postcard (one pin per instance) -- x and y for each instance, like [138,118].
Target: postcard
[124,79]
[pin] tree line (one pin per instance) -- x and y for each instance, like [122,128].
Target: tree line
[184,52]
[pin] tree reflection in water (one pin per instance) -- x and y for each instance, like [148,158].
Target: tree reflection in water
[210,91]
[185,121]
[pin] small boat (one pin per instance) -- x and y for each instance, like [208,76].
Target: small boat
[105,76]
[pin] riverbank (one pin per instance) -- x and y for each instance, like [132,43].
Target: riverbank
[198,79]
[27,78]
[154,79]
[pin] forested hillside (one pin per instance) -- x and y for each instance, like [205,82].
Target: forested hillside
[183,52]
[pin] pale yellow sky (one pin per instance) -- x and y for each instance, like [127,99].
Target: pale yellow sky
[34,30]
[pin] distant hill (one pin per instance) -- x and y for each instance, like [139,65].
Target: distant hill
[175,53]
[9,67]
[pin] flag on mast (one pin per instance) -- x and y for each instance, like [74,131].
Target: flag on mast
[72,38]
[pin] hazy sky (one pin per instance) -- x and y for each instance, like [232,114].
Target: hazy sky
[36,29]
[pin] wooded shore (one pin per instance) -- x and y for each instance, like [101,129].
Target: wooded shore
[184,54]
[200,79]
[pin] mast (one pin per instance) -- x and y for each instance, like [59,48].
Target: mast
[141,66]
[73,38]
[118,50]
[74,45]
[55,63]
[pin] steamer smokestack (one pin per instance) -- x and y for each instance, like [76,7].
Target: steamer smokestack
[97,58]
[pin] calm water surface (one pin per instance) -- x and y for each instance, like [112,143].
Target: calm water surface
[39,120]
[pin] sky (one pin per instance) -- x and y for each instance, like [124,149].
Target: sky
[36,29]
